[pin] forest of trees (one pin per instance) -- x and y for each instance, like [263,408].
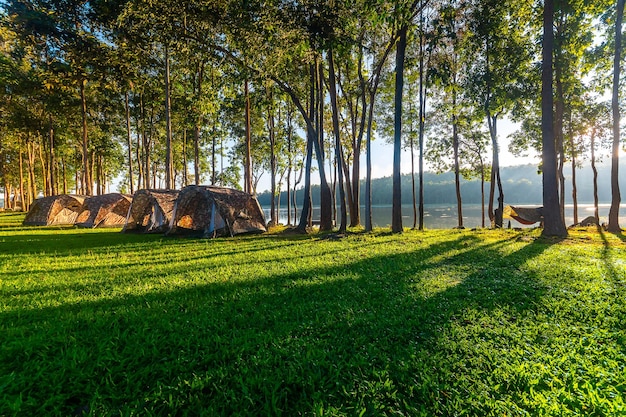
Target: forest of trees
[163,94]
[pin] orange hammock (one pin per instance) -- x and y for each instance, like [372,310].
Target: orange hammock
[524,215]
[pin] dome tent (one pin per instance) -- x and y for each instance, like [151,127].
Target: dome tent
[210,211]
[106,210]
[150,211]
[62,209]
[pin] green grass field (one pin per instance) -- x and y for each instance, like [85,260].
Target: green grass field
[435,323]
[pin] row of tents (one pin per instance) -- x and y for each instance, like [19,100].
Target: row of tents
[205,211]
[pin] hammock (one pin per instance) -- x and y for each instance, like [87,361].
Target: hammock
[524,215]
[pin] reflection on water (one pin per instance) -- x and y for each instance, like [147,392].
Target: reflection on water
[445,216]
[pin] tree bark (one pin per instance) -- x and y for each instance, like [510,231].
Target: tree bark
[396,214]
[553,222]
[574,184]
[368,161]
[326,212]
[457,168]
[196,135]
[129,144]
[596,212]
[87,185]
[25,204]
[169,170]
[248,143]
[614,226]
[52,160]
[339,157]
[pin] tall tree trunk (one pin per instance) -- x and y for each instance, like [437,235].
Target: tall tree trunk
[457,167]
[138,155]
[289,165]
[574,184]
[496,180]
[422,116]
[169,164]
[482,193]
[213,160]
[196,134]
[32,179]
[25,204]
[306,204]
[614,226]
[52,159]
[86,179]
[559,135]
[553,221]
[413,188]
[273,161]
[64,167]
[368,169]
[596,212]
[44,172]
[146,145]
[248,144]
[129,144]
[326,212]
[185,162]
[338,150]
[396,214]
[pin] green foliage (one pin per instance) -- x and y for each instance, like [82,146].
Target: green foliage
[425,323]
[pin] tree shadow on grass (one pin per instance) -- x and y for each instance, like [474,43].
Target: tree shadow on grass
[363,337]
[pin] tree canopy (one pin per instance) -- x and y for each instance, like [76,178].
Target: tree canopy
[162,94]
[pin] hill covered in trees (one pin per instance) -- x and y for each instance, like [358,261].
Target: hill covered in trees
[521,184]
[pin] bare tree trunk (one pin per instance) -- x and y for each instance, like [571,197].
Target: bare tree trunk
[553,221]
[31,172]
[131,181]
[482,193]
[138,155]
[368,160]
[44,171]
[25,204]
[339,157]
[86,179]
[196,134]
[396,213]
[596,212]
[558,132]
[52,160]
[248,144]
[318,144]
[457,168]
[169,155]
[306,204]
[574,185]
[616,199]
[64,175]
[273,160]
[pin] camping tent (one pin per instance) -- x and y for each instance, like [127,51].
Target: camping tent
[60,209]
[106,210]
[210,211]
[524,215]
[151,211]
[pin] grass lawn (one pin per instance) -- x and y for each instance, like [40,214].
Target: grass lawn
[435,323]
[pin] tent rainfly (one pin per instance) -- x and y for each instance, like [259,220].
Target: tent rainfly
[106,210]
[60,209]
[210,211]
[150,211]
[524,215]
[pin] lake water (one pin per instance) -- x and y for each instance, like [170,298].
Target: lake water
[445,216]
